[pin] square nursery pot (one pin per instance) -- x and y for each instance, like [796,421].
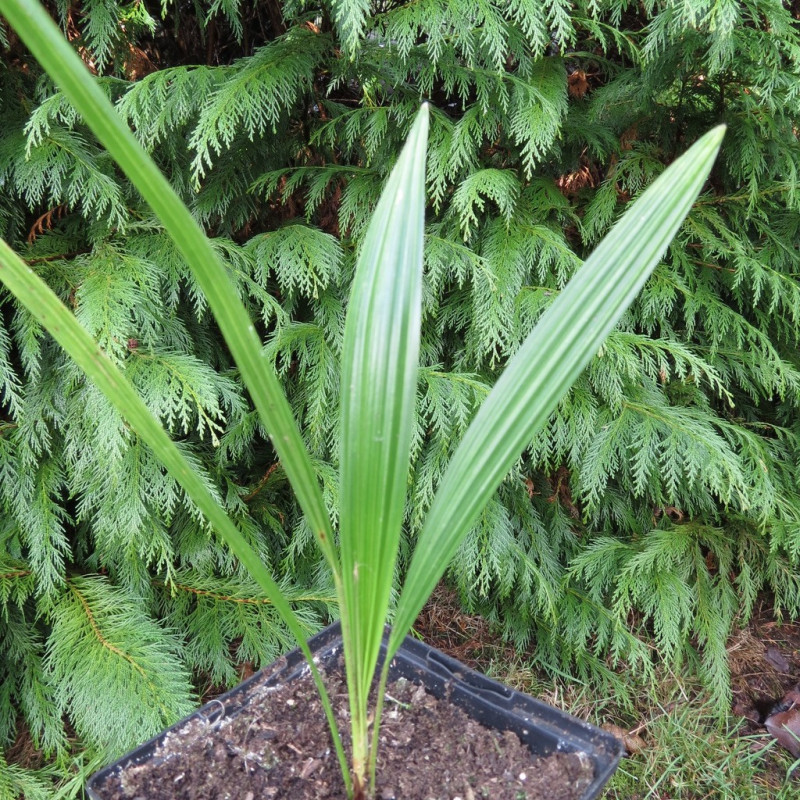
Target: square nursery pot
[159,770]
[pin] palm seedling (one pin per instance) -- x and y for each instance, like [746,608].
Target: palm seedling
[379,380]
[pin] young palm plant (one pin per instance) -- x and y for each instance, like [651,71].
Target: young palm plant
[379,379]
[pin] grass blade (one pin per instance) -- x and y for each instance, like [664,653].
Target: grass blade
[549,361]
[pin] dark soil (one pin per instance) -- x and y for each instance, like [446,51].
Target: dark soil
[280,747]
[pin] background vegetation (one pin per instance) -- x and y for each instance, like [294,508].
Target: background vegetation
[664,496]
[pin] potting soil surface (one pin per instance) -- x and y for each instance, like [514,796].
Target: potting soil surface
[279,746]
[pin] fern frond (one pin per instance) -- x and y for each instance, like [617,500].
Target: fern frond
[303,259]
[64,168]
[26,687]
[255,93]
[229,622]
[500,186]
[16,782]
[116,672]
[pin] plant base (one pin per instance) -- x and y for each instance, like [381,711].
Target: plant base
[269,739]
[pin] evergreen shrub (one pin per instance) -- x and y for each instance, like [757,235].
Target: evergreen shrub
[663,496]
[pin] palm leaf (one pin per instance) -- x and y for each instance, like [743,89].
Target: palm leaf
[55,54]
[551,358]
[379,380]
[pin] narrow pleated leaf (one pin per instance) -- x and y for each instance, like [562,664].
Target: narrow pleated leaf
[54,53]
[551,358]
[43,304]
[56,318]
[45,41]
[379,382]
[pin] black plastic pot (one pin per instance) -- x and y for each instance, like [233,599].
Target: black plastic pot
[541,727]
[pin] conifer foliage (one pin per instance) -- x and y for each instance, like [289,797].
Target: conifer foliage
[663,496]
